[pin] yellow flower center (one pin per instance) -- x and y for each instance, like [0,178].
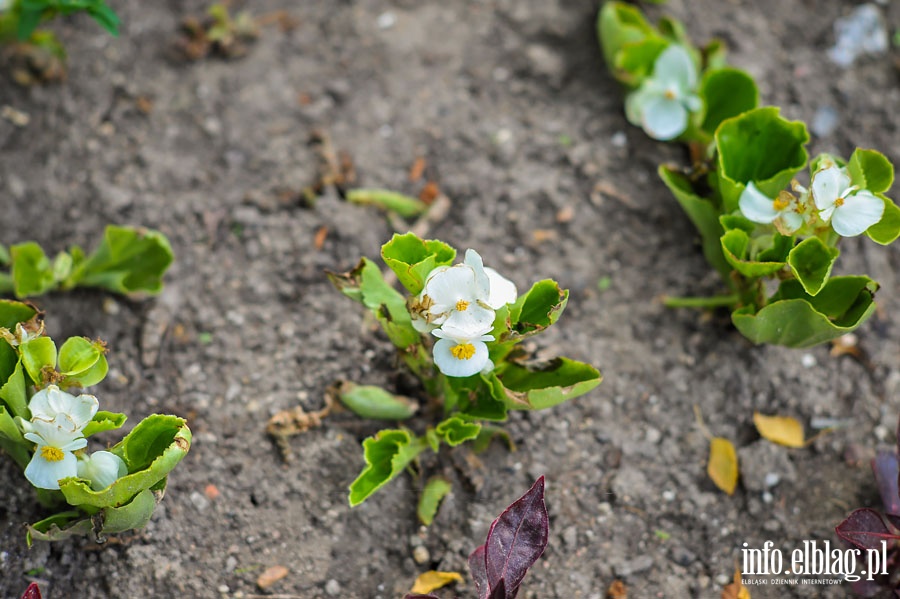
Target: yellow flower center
[52,454]
[839,202]
[780,204]
[463,351]
[669,94]
[462,306]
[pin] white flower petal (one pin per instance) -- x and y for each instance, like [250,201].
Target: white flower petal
[482,283]
[503,291]
[858,212]
[102,468]
[827,186]
[675,66]
[450,286]
[47,403]
[471,322]
[44,474]
[756,205]
[450,365]
[791,221]
[59,433]
[635,103]
[664,118]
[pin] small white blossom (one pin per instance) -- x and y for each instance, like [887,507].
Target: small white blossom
[786,212]
[102,468]
[850,209]
[462,297]
[664,101]
[53,458]
[51,402]
[458,353]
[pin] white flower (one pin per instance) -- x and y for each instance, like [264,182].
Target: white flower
[786,212]
[51,402]
[102,468]
[664,101]
[462,297]
[460,354]
[53,458]
[851,210]
[5,4]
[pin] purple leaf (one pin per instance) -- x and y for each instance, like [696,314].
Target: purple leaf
[865,529]
[479,572]
[516,539]
[886,471]
[499,591]
[32,592]
[894,520]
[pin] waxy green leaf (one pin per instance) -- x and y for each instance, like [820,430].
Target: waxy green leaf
[871,170]
[32,272]
[104,421]
[455,430]
[435,490]
[726,93]
[538,308]
[374,402]
[736,248]
[887,229]
[794,318]
[37,354]
[759,146]
[811,262]
[387,454]
[392,201]
[129,260]
[13,312]
[413,259]
[619,25]
[543,385]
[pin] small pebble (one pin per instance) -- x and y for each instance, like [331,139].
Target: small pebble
[723,579]
[386,20]
[421,555]
[619,139]
[333,587]
[808,360]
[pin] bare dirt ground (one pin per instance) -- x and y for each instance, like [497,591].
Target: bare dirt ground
[510,104]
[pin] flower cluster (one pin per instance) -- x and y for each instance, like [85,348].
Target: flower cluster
[457,306]
[57,425]
[831,198]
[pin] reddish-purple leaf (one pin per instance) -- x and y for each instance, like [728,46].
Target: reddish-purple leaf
[893,519]
[516,539]
[32,592]
[887,471]
[479,572]
[499,591]
[865,529]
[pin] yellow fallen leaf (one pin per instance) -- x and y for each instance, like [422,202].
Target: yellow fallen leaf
[431,580]
[723,465]
[736,590]
[780,429]
[271,575]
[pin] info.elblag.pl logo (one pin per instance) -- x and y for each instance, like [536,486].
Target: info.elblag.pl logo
[813,559]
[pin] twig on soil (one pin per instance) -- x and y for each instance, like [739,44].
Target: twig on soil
[294,421]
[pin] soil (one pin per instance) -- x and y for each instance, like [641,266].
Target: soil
[510,104]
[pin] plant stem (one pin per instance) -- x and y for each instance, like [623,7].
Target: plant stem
[715,301]
[6,283]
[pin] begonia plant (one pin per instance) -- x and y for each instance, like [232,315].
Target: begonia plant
[459,330]
[46,425]
[773,238]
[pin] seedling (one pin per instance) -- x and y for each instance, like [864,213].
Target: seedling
[19,21]
[515,541]
[459,331]
[45,424]
[129,261]
[219,33]
[773,239]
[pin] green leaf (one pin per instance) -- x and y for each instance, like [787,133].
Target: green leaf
[871,170]
[794,318]
[373,402]
[480,397]
[703,213]
[736,248]
[28,22]
[107,19]
[4,255]
[726,93]
[543,385]
[104,421]
[391,201]
[635,61]
[59,527]
[387,454]
[13,312]
[12,441]
[759,146]
[538,308]
[435,490]
[811,262]
[620,24]
[13,393]
[129,260]
[78,354]
[455,430]
[150,451]
[413,259]
[133,515]
[888,228]
[32,272]
[37,354]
